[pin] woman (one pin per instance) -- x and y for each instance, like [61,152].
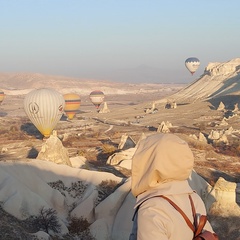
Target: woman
[161,165]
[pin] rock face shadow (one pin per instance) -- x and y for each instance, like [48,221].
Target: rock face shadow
[33,153]
[31,130]
[3,114]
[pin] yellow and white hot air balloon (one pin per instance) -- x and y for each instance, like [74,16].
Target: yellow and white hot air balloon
[2,96]
[72,104]
[192,64]
[97,97]
[44,107]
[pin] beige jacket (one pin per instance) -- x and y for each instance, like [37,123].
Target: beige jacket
[161,165]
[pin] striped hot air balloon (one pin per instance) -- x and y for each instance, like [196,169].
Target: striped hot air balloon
[97,97]
[72,104]
[192,64]
[2,96]
[44,107]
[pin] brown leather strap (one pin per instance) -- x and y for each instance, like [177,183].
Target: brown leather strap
[202,221]
[189,223]
[196,227]
[201,224]
[195,222]
[207,235]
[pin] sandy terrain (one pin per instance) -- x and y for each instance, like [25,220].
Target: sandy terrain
[89,130]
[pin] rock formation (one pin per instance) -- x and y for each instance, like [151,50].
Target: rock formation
[53,150]
[225,195]
[223,122]
[168,124]
[216,69]
[171,105]
[229,131]
[124,158]
[224,212]
[126,142]
[221,106]
[202,138]
[105,108]
[153,109]
[236,109]
[210,84]
[193,136]
[163,128]
[218,137]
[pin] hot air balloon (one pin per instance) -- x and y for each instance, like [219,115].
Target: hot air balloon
[97,97]
[44,107]
[72,104]
[2,96]
[192,64]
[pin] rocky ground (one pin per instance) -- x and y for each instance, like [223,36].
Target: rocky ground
[89,131]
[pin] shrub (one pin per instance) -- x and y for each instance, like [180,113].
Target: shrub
[231,149]
[80,228]
[76,189]
[200,145]
[88,154]
[78,225]
[105,188]
[108,148]
[58,185]
[47,220]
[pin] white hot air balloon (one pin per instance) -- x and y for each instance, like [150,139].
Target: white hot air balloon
[192,64]
[44,107]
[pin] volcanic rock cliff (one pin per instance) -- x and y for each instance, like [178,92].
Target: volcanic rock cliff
[219,81]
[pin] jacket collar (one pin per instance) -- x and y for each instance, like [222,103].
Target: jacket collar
[168,188]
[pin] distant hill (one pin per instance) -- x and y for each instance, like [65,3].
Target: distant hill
[219,82]
[21,83]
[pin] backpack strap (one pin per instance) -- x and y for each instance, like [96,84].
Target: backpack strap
[193,211]
[202,221]
[195,227]
[189,223]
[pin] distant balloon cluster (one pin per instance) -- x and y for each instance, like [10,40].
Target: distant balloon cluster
[192,64]
[45,107]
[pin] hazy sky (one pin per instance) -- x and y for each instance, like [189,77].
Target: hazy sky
[119,40]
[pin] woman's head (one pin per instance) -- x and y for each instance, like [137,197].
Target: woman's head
[160,158]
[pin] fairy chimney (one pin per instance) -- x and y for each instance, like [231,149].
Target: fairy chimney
[105,108]
[53,151]
[235,108]
[163,128]
[225,195]
[126,142]
[221,107]
[202,138]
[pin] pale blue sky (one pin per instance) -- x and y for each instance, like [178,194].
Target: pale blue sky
[118,40]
